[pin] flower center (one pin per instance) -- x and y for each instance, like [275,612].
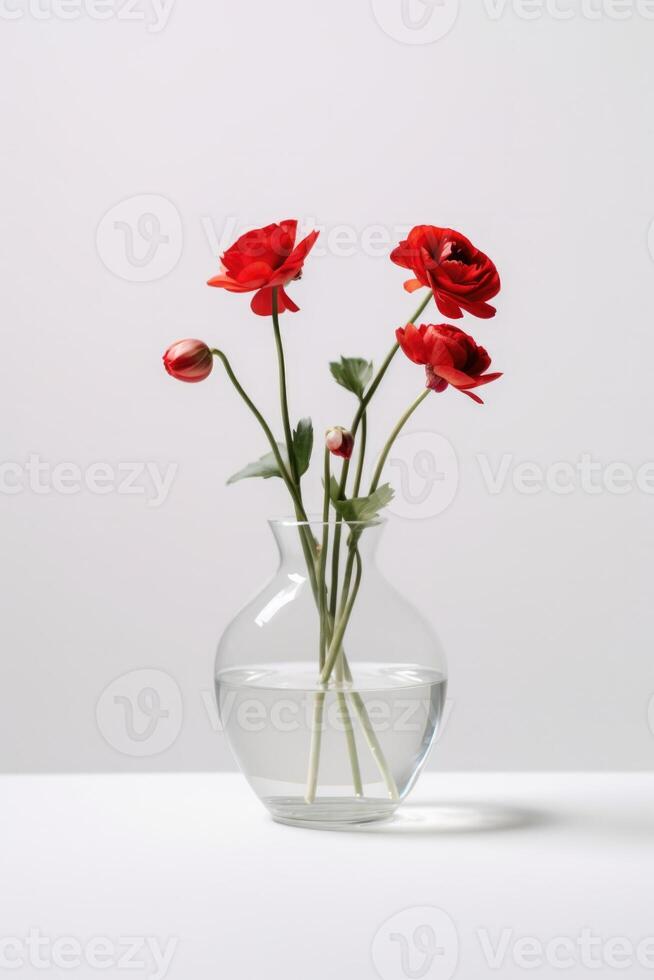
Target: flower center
[453,252]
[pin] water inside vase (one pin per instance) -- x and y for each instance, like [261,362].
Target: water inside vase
[348,753]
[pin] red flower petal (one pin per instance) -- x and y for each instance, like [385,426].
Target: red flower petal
[289,227]
[285,302]
[262,305]
[458,379]
[471,394]
[254,275]
[461,380]
[411,340]
[448,307]
[301,250]
[225,282]
[261,302]
[483,310]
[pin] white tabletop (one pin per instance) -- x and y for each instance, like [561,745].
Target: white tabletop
[186,875]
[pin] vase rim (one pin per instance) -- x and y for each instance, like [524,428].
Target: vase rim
[317,521]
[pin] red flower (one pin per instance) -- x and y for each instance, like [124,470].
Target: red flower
[188,360]
[450,357]
[264,258]
[339,441]
[461,276]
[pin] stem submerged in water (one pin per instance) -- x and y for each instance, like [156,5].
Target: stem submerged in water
[314,752]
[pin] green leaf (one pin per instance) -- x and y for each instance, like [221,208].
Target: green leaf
[361,508]
[264,467]
[303,445]
[352,373]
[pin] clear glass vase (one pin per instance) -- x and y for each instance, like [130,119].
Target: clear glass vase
[330,716]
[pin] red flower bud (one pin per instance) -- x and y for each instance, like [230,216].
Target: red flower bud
[188,360]
[339,441]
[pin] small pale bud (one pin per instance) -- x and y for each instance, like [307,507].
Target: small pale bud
[339,441]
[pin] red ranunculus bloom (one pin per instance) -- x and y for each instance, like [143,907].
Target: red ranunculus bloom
[461,276]
[264,258]
[450,357]
[188,360]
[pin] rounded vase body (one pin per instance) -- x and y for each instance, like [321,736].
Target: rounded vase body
[330,698]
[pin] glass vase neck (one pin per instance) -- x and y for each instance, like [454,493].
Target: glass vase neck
[292,536]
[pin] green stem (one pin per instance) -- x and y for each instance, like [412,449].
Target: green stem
[377,380]
[374,746]
[323,561]
[336,656]
[362,453]
[351,744]
[363,404]
[309,552]
[283,395]
[305,532]
[393,436]
[314,752]
[308,543]
[319,697]
[286,476]
[341,625]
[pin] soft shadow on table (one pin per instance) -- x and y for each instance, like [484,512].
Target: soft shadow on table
[440,817]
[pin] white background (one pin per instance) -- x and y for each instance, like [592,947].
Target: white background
[532,136]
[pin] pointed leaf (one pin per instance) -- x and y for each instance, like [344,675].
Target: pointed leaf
[352,373]
[265,467]
[303,445]
[361,508]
